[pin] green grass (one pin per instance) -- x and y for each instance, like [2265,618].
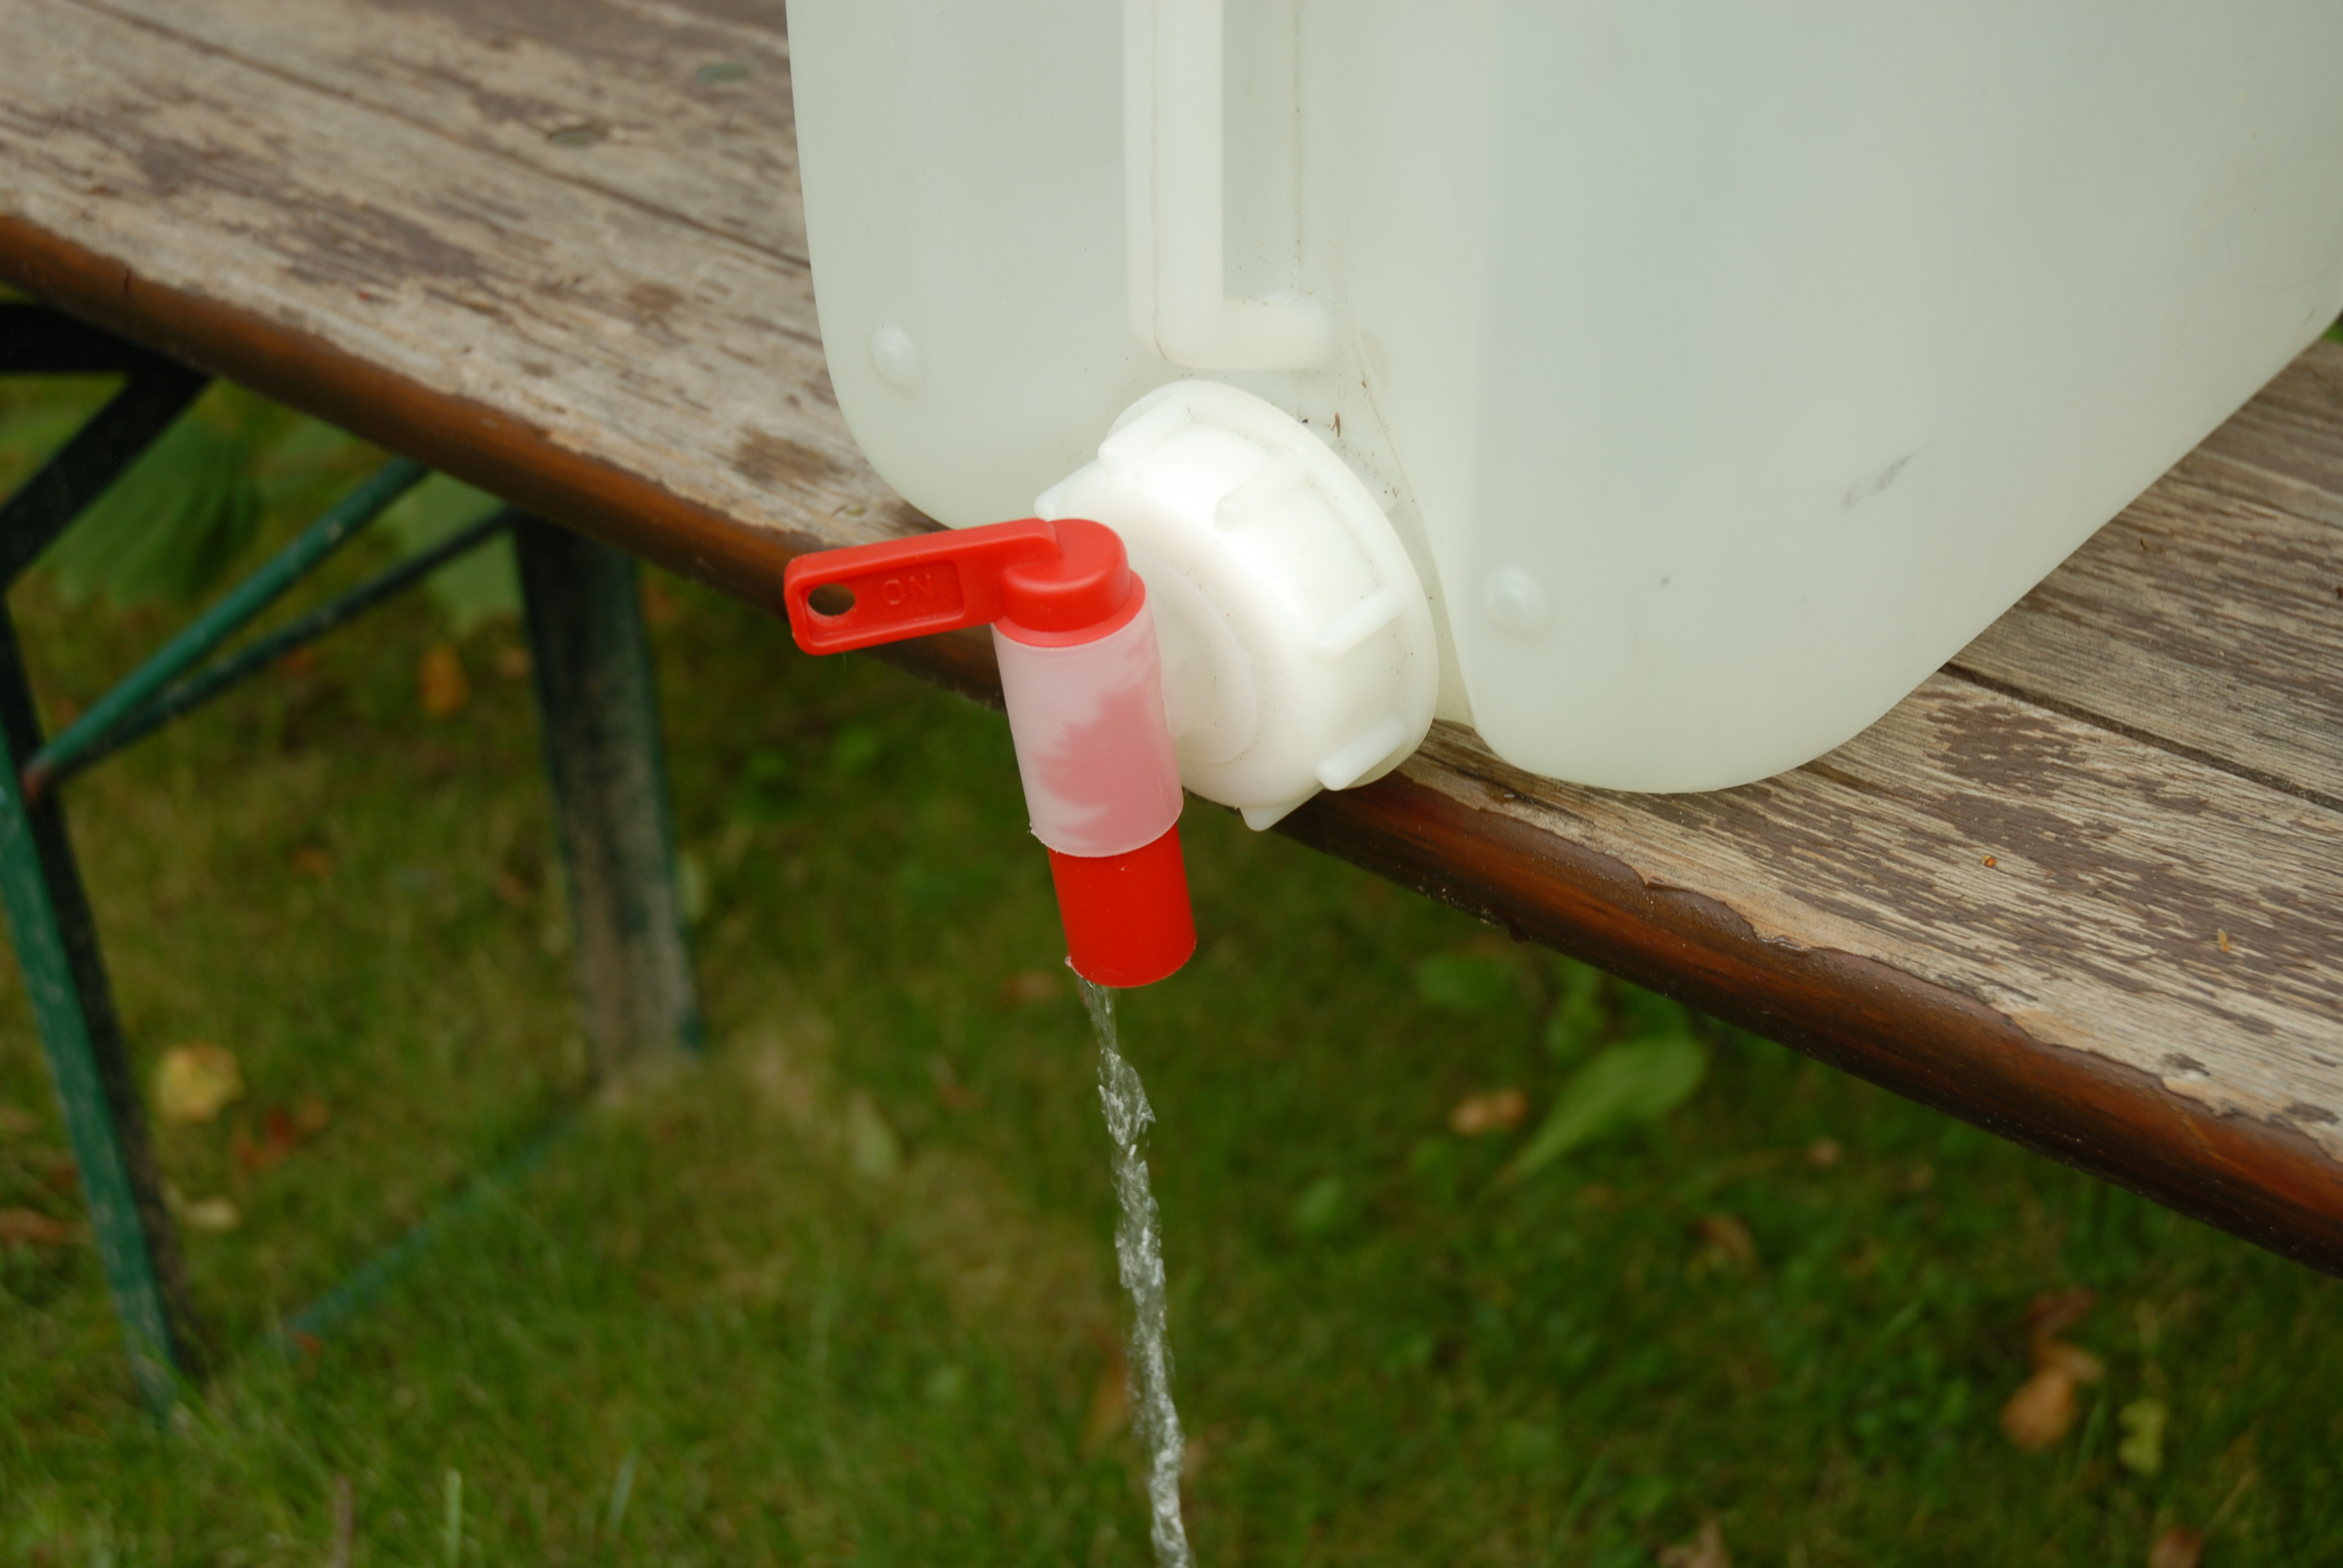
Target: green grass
[845,1292]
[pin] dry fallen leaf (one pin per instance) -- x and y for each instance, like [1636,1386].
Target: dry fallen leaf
[2042,1411]
[29,1227]
[1499,1110]
[281,1132]
[214,1214]
[1027,986]
[194,1081]
[2055,1311]
[2072,1360]
[1723,1239]
[1704,1550]
[2178,1547]
[440,681]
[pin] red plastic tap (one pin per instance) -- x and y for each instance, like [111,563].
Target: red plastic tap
[1084,688]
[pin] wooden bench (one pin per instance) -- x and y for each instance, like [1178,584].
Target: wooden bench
[2084,888]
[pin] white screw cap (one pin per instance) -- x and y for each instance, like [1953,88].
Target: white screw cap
[1297,639]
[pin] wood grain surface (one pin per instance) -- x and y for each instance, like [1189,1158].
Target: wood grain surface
[2209,614]
[2085,887]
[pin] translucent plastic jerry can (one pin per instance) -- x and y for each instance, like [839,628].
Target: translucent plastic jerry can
[1713,369]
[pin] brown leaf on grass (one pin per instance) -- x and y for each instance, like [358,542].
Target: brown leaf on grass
[2055,1311]
[1028,986]
[31,1227]
[1499,1110]
[214,1214]
[2042,1411]
[1704,1550]
[282,1132]
[1824,1153]
[2178,1547]
[441,682]
[194,1081]
[311,860]
[1725,1239]
[2072,1360]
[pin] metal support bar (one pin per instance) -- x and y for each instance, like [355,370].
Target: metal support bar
[39,340]
[78,472]
[256,593]
[73,1005]
[598,709]
[362,1284]
[52,764]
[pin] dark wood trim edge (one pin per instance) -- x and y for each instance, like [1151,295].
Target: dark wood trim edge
[2270,1184]
[478,445]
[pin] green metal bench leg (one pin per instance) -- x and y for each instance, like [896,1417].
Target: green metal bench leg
[598,710]
[65,975]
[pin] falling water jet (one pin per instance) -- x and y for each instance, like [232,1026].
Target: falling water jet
[1139,1249]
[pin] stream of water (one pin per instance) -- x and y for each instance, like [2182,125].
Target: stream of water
[1138,1249]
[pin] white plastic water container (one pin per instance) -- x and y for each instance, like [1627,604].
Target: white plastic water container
[1722,366]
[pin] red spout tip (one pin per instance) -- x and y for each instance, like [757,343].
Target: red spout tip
[1127,917]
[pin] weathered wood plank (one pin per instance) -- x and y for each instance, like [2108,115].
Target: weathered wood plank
[2203,616]
[2283,447]
[2166,915]
[1927,1042]
[682,108]
[614,333]
[402,260]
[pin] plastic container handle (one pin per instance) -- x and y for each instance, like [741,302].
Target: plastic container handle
[1174,208]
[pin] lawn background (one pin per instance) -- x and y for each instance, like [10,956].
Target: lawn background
[844,1293]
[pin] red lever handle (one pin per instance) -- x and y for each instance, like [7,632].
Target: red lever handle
[911,587]
[1067,581]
